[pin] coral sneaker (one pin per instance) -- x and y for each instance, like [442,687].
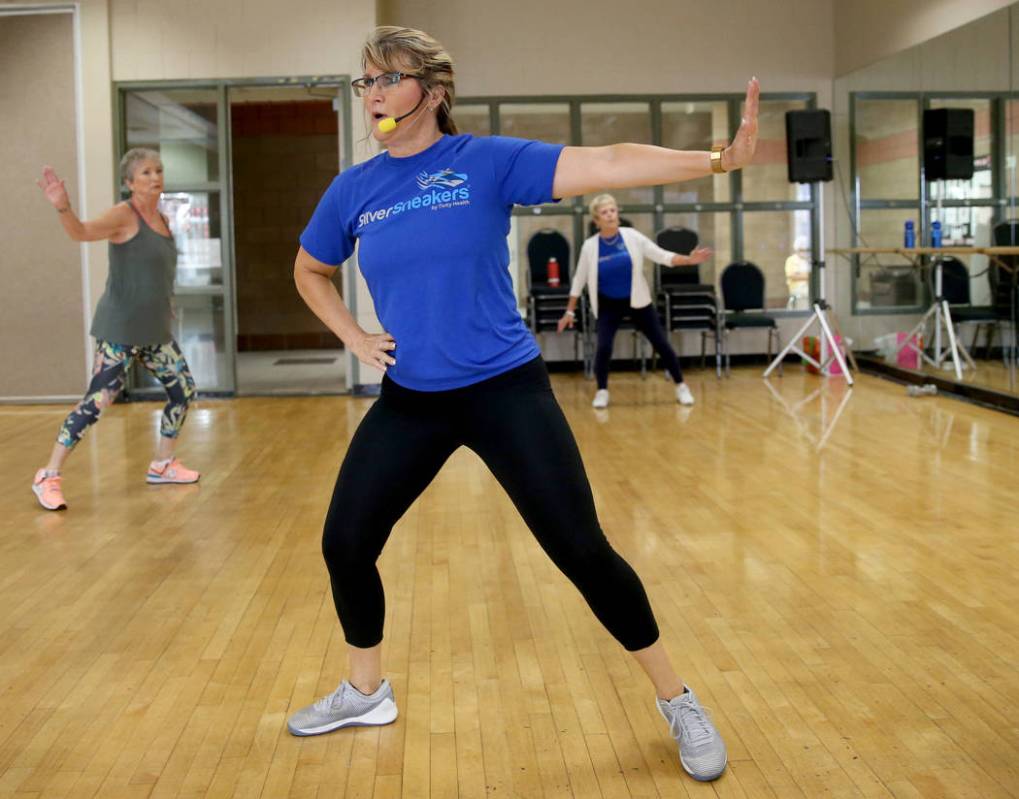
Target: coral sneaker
[47,490]
[171,471]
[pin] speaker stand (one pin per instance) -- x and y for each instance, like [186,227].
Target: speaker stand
[942,319]
[818,316]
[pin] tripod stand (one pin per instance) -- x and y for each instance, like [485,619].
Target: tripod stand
[819,317]
[942,318]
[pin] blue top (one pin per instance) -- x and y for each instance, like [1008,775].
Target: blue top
[615,268]
[432,229]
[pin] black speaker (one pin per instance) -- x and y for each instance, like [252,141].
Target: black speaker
[808,145]
[948,143]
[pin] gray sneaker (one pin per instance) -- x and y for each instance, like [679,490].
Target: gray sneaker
[701,749]
[345,707]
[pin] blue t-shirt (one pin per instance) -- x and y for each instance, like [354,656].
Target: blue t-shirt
[432,229]
[615,268]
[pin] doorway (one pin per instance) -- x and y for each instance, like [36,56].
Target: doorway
[247,161]
[284,153]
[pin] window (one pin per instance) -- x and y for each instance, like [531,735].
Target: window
[768,179]
[548,122]
[696,126]
[768,235]
[779,242]
[888,282]
[887,151]
[474,119]
[181,124]
[610,123]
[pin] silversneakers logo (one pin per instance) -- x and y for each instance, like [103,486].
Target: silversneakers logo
[445,177]
[442,189]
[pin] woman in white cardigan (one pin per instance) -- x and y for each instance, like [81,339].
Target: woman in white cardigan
[611,265]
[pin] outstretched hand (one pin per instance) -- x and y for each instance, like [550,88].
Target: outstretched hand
[53,187]
[738,154]
[700,255]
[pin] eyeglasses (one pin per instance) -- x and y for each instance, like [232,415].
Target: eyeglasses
[385,81]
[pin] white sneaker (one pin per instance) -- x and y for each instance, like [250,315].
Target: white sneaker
[683,395]
[601,398]
[702,751]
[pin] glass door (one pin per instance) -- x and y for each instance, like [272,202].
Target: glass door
[186,125]
[285,151]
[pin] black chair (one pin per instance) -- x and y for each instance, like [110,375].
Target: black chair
[546,304]
[684,302]
[743,295]
[955,287]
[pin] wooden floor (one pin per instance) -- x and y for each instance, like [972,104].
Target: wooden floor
[843,598]
[992,374]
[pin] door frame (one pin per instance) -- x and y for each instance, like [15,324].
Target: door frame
[225,184]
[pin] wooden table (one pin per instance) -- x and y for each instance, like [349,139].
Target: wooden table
[939,308]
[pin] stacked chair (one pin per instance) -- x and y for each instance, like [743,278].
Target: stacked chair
[684,302]
[546,304]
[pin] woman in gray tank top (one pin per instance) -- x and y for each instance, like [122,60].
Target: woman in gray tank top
[133,319]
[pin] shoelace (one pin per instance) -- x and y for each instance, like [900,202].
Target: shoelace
[693,721]
[329,701]
[51,482]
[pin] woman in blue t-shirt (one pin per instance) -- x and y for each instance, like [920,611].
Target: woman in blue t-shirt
[611,265]
[430,216]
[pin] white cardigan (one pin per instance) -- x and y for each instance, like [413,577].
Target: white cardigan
[640,247]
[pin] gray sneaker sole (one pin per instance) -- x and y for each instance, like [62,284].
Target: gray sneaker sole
[688,770]
[384,713]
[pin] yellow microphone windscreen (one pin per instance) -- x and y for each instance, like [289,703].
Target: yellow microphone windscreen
[387,125]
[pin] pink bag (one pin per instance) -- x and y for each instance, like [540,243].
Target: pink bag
[812,346]
[908,358]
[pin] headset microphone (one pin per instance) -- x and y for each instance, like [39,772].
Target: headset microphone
[388,125]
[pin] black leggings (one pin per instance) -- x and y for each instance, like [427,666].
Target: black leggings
[611,313]
[513,422]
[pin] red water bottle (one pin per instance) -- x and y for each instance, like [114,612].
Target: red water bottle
[553,272]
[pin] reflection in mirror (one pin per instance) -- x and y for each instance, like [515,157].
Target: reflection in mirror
[882,199]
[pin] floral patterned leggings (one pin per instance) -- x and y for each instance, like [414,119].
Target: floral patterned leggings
[109,372]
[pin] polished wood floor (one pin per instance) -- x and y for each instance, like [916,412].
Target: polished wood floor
[992,374]
[835,575]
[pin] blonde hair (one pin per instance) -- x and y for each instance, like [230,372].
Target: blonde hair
[396,49]
[599,201]
[133,157]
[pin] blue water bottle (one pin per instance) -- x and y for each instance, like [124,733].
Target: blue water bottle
[909,241]
[936,234]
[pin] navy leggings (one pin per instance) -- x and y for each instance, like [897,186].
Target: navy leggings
[611,313]
[513,422]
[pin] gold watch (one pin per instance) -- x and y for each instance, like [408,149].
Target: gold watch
[716,159]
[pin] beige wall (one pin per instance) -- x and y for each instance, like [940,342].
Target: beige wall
[599,46]
[93,187]
[867,31]
[42,321]
[237,38]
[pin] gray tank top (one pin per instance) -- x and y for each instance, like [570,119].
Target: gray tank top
[136,306]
